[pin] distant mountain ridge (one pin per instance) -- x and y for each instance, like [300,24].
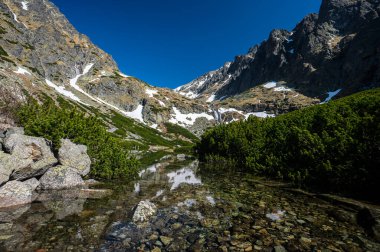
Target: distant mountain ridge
[339,48]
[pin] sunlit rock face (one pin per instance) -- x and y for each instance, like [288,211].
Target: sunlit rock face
[336,49]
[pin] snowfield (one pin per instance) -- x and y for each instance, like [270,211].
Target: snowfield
[63,91]
[187,119]
[211,98]
[271,84]
[151,92]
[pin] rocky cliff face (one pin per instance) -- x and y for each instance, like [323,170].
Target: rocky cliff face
[41,52]
[337,49]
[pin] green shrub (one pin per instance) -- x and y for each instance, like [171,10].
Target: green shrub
[330,147]
[110,155]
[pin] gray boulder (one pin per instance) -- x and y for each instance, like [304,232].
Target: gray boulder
[144,210]
[14,130]
[74,156]
[61,177]
[33,183]
[29,156]
[15,193]
[5,167]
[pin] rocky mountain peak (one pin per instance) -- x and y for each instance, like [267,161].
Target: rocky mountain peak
[335,49]
[41,52]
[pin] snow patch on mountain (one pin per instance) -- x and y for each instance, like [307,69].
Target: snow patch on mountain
[24,5]
[189,94]
[23,71]
[259,114]
[15,17]
[63,91]
[262,114]
[124,75]
[281,89]
[187,119]
[211,98]
[151,92]
[161,103]
[136,114]
[269,85]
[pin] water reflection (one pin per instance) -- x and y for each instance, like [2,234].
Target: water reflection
[195,213]
[184,176]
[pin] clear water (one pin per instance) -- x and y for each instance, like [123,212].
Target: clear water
[196,212]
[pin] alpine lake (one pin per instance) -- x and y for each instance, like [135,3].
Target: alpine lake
[196,211]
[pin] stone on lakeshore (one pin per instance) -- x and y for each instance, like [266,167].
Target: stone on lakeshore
[61,177]
[144,210]
[29,157]
[15,193]
[74,156]
[14,130]
[5,167]
[33,183]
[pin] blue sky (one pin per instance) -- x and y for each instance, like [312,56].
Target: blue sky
[168,43]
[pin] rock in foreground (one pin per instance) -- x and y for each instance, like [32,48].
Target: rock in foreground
[29,156]
[74,156]
[15,193]
[60,177]
[144,210]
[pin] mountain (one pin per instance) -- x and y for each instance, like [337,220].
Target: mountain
[335,52]
[42,53]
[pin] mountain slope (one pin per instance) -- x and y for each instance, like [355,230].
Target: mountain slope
[41,52]
[337,49]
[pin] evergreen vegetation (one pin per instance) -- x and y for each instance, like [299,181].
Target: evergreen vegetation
[109,154]
[330,147]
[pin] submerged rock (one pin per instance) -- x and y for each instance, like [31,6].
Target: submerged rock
[61,177]
[144,210]
[74,156]
[29,157]
[15,193]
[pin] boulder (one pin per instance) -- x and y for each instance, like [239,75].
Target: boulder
[33,183]
[144,210]
[29,156]
[15,193]
[5,167]
[74,156]
[14,130]
[61,177]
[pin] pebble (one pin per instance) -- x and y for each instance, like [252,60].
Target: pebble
[279,249]
[301,222]
[256,247]
[158,243]
[166,240]
[305,240]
